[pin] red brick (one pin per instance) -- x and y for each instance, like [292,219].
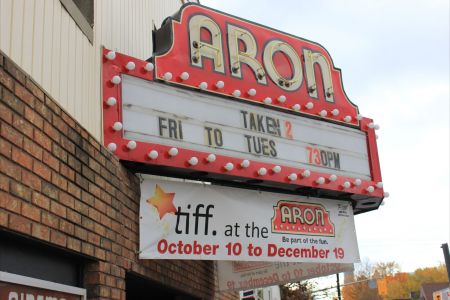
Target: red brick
[5,114]
[81,233]
[31,180]
[94,239]
[67,172]
[34,89]
[66,227]
[87,249]
[73,216]
[19,223]
[32,148]
[23,126]
[4,183]
[6,80]
[40,200]
[67,199]
[31,212]
[42,170]
[58,209]
[68,119]
[21,92]
[58,238]
[9,202]
[52,105]
[59,123]
[11,134]
[50,160]
[20,190]
[43,140]
[34,118]
[40,231]
[43,110]
[14,71]
[59,181]
[5,148]
[3,218]
[51,131]
[50,220]
[22,158]
[73,244]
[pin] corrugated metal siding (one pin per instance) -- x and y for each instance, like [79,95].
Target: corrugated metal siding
[44,40]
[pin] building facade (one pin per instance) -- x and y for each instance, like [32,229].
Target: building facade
[69,210]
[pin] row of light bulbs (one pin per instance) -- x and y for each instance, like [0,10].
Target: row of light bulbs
[168,76]
[229,166]
[153,154]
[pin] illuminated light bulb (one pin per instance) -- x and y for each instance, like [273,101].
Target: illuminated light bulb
[371,125]
[228,166]
[386,195]
[379,185]
[323,113]
[359,117]
[282,98]
[149,67]
[184,76]
[117,126]
[296,107]
[203,85]
[347,119]
[112,147]
[276,169]
[111,101]
[211,158]
[116,79]
[245,163]
[193,161]
[370,189]
[320,180]
[292,177]
[251,92]
[131,145]
[110,55]
[153,154]
[268,100]
[306,173]
[173,152]
[332,177]
[236,93]
[262,171]
[309,105]
[346,185]
[220,84]
[376,127]
[335,112]
[130,66]
[357,182]
[167,76]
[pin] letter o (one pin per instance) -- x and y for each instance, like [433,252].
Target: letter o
[288,84]
[162,246]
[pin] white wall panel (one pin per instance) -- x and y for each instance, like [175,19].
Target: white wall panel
[44,40]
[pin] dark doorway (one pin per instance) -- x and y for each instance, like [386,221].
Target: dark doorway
[138,288]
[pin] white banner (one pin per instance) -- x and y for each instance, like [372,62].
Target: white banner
[241,275]
[181,220]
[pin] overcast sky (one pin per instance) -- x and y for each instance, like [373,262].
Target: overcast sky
[394,56]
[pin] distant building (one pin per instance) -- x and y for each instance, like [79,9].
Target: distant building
[427,290]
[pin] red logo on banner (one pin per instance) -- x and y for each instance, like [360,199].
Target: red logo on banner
[301,218]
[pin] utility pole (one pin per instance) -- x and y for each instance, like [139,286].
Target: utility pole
[339,286]
[447,258]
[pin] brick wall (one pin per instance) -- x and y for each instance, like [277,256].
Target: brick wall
[61,186]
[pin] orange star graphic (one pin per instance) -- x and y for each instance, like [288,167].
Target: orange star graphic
[162,201]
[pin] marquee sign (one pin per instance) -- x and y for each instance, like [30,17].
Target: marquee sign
[190,113]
